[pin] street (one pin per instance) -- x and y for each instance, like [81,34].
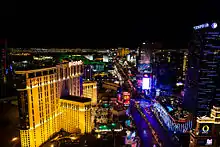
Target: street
[144,132]
[164,136]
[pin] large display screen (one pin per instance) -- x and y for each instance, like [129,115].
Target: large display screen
[146,83]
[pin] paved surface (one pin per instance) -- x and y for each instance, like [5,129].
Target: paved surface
[144,132]
[164,136]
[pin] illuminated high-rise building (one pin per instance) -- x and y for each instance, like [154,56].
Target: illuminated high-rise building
[90,91]
[38,103]
[41,112]
[202,88]
[144,64]
[70,78]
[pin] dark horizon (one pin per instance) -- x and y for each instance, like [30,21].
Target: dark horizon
[92,44]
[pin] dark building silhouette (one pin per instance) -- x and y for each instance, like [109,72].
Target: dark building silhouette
[169,66]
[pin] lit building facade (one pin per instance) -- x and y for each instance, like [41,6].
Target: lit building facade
[123,52]
[132,58]
[38,103]
[144,53]
[145,62]
[75,114]
[181,125]
[70,78]
[202,87]
[39,93]
[90,91]
[207,130]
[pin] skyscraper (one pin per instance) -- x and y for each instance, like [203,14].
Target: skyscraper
[202,88]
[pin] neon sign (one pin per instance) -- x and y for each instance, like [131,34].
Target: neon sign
[205,129]
[75,63]
[206,25]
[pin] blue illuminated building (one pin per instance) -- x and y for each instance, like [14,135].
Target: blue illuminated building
[202,87]
[174,120]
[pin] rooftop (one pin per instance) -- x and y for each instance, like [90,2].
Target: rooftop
[76,98]
[33,66]
[176,112]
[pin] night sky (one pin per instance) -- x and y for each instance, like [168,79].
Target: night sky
[105,25]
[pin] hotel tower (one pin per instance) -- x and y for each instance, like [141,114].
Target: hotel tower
[47,98]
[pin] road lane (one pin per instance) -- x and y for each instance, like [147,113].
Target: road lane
[164,136]
[144,132]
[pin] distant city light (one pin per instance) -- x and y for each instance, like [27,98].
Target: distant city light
[143,42]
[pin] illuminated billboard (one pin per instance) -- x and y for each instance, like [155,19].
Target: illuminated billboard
[146,83]
[145,68]
[126,98]
[205,129]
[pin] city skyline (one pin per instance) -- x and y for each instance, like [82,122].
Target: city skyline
[112,75]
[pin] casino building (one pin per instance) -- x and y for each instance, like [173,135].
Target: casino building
[46,101]
[76,114]
[207,131]
[90,91]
